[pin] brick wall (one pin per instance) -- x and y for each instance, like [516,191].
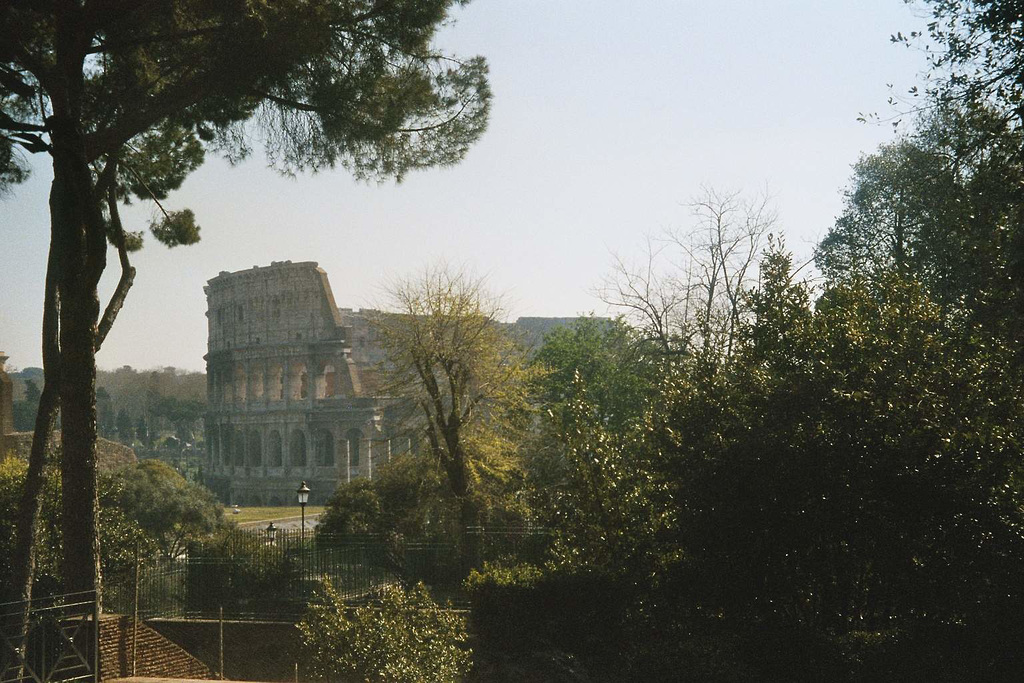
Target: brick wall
[253,651]
[155,655]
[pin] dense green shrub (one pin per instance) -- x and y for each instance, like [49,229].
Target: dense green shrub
[405,637]
[522,608]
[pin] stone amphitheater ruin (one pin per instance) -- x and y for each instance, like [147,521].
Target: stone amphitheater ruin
[291,387]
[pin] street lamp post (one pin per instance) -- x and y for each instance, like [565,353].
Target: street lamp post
[271,532]
[303,493]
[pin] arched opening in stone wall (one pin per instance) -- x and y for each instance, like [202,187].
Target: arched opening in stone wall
[297,382]
[329,381]
[255,449]
[240,382]
[323,444]
[297,449]
[274,448]
[275,382]
[319,386]
[256,382]
[354,437]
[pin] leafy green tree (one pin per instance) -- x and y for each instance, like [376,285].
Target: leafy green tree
[169,509]
[465,381]
[977,53]
[127,99]
[406,496]
[121,535]
[354,508]
[125,431]
[857,468]
[105,415]
[609,361]
[182,413]
[142,431]
[596,371]
[404,638]
[941,205]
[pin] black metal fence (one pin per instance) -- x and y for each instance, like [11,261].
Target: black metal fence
[57,642]
[247,575]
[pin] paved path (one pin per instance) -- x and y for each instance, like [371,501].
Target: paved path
[284,523]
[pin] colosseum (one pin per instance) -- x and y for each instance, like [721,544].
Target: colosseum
[290,388]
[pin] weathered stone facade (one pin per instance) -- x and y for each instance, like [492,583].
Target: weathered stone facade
[290,387]
[6,407]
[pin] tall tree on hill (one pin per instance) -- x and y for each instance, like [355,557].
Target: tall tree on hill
[941,205]
[688,297]
[976,53]
[462,375]
[126,98]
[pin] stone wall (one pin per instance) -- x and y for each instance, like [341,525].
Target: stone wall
[6,407]
[253,651]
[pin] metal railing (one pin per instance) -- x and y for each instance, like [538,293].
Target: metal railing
[248,576]
[58,641]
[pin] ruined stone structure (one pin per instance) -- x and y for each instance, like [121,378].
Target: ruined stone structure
[290,388]
[6,407]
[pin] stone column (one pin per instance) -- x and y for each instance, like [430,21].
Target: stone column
[264,434]
[286,384]
[6,404]
[310,381]
[348,460]
[249,384]
[286,449]
[369,455]
[310,467]
[266,378]
[244,433]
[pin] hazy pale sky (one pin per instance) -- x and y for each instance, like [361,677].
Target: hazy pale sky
[607,117]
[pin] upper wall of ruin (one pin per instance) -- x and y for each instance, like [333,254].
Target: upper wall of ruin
[6,402]
[281,303]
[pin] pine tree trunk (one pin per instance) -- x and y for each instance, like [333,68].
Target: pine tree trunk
[80,242]
[27,525]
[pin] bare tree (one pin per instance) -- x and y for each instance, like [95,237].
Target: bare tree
[462,375]
[688,293]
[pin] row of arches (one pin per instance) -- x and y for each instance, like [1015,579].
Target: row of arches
[238,447]
[275,382]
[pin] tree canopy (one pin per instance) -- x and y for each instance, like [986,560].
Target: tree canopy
[463,378]
[127,98]
[323,82]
